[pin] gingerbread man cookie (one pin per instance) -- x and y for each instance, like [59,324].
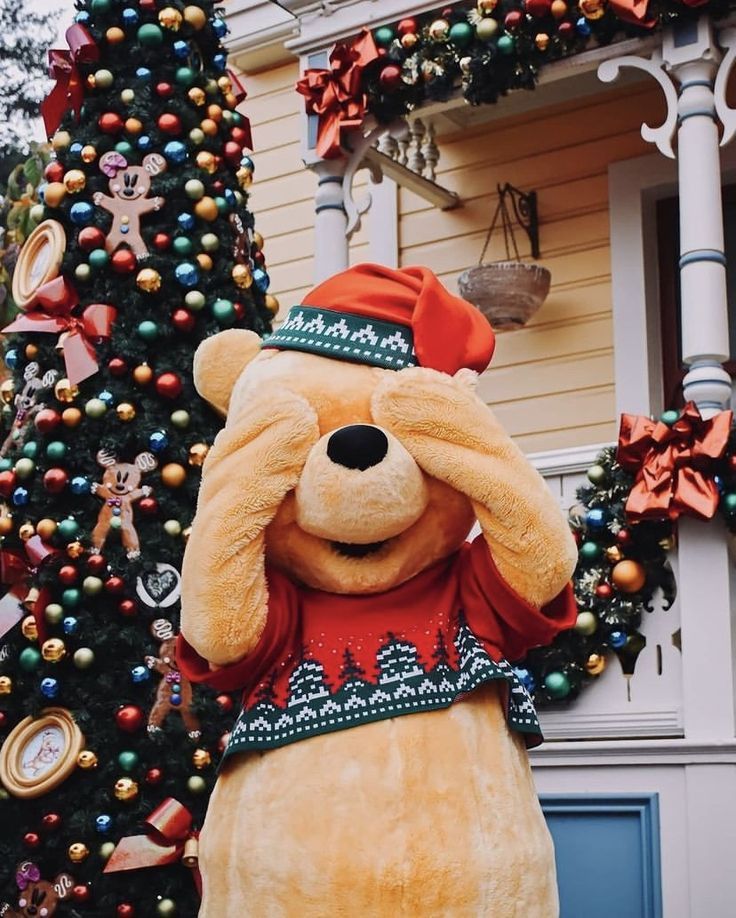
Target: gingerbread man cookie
[174,691]
[120,488]
[129,187]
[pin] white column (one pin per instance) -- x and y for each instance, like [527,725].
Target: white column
[383,228]
[330,222]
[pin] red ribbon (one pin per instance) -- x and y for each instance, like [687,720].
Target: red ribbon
[15,572]
[636,12]
[336,95]
[68,91]
[240,93]
[673,464]
[58,299]
[169,830]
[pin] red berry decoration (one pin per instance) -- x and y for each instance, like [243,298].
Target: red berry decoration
[232,152]
[110,123]
[183,320]
[161,242]
[96,563]
[148,505]
[51,822]
[81,893]
[31,839]
[54,172]
[129,718]
[8,480]
[168,385]
[46,420]
[537,8]
[127,608]
[164,90]
[225,703]
[117,366]
[390,77]
[114,585]
[407,27]
[55,480]
[68,574]
[125,910]
[169,123]
[513,19]
[123,261]
[154,776]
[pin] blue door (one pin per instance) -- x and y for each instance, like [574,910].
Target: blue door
[607,853]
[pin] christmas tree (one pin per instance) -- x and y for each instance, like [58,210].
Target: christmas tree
[144,247]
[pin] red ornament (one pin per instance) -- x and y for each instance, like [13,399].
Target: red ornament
[96,563]
[217,185]
[81,893]
[148,505]
[125,910]
[604,591]
[623,536]
[46,420]
[55,480]
[390,77]
[114,585]
[8,481]
[239,136]
[537,8]
[407,27]
[68,574]
[232,152]
[183,320]
[259,258]
[51,822]
[54,172]
[3,719]
[566,29]
[225,703]
[222,742]
[127,608]
[31,839]
[110,123]
[169,123]
[154,776]
[164,90]
[168,385]
[513,19]
[91,237]
[123,261]
[239,310]
[129,718]
[161,242]
[117,366]
[147,4]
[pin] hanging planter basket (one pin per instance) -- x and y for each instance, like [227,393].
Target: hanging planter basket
[508,293]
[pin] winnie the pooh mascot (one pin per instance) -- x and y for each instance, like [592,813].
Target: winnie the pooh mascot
[378,766]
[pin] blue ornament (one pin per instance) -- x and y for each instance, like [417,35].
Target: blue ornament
[143,73]
[140,674]
[82,17]
[583,27]
[187,274]
[158,441]
[42,191]
[144,142]
[247,163]
[596,518]
[11,358]
[130,17]
[526,679]
[49,687]
[186,221]
[617,639]
[175,700]
[230,197]
[219,27]
[75,149]
[237,118]
[30,449]
[103,823]
[176,151]
[107,397]
[70,625]
[181,49]
[20,497]
[219,61]
[6,464]
[81,213]
[261,279]
[79,485]
[718,481]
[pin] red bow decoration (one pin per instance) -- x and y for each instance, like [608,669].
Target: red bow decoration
[68,92]
[335,95]
[636,12]
[170,838]
[240,93]
[15,571]
[672,463]
[58,299]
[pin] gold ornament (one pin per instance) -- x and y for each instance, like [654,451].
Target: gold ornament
[206,209]
[230,100]
[173,475]
[198,453]
[195,16]
[242,276]
[77,852]
[244,177]
[6,524]
[486,6]
[629,576]
[114,35]
[125,411]
[61,140]
[31,351]
[142,374]
[75,180]
[71,417]
[197,97]
[126,789]
[214,112]
[272,304]
[439,30]
[595,664]
[65,391]
[88,154]
[27,531]
[7,391]
[614,554]
[224,83]
[133,125]
[258,240]
[46,528]
[208,127]
[53,650]
[592,9]
[541,40]
[206,160]
[204,261]
[29,628]
[201,758]
[558,8]
[409,39]
[87,759]
[54,194]
[149,280]
[170,18]
[75,549]
[6,685]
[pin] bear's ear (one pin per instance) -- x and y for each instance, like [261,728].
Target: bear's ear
[219,361]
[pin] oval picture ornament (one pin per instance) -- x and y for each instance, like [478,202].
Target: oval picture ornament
[39,262]
[40,753]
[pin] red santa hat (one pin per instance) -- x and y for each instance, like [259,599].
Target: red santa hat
[388,317]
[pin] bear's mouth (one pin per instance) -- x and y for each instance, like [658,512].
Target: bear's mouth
[356,549]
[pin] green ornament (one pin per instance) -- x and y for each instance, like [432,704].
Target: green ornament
[172,528]
[6,464]
[124,148]
[103,79]
[127,96]
[209,242]
[224,311]
[106,850]
[211,87]
[184,76]
[84,657]
[486,28]
[196,784]
[71,598]
[92,586]
[30,450]
[182,245]
[589,550]
[505,44]
[586,623]
[116,523]
[557,684]
[669,417]
[222,206]
[150,35]
[383,36]
[83,272]
[95,408]
[196,135]
[53,613]
[180,418]
[128,759]
[461,34]
[728,501]
[237,118]
[194,300]
[596,474]
[194,189]
[98,258]
[101,6]
[227,116]
[29,659]
[37,213]
[68,529]
[24,468]
[56,449]
[148,330]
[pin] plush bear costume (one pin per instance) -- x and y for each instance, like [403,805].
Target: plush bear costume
[378,766]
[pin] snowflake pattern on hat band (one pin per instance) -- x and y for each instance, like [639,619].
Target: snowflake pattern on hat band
[345,336]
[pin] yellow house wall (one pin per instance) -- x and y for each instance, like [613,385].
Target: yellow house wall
[550,383]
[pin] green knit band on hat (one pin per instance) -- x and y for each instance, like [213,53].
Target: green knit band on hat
[345,336]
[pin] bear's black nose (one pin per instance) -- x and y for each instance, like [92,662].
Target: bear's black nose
[358,446]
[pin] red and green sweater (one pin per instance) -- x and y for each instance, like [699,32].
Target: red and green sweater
[327,662]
